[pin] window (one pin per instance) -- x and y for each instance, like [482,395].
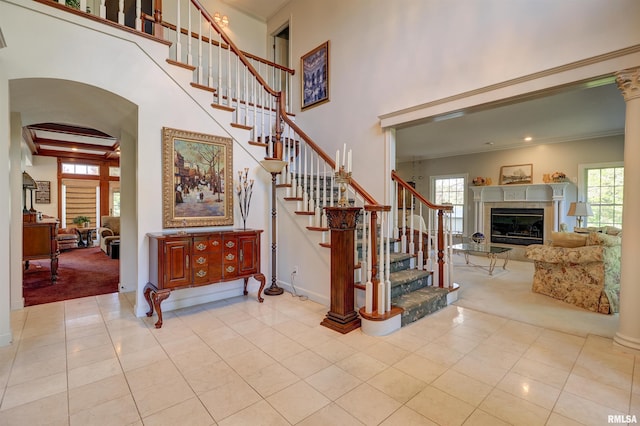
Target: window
[603,189]
[81,169]
[451,190]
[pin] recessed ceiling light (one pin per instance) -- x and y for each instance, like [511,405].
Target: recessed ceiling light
[489,143]
[74,149]
[528,139]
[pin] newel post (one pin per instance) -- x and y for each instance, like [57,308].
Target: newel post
[342,316]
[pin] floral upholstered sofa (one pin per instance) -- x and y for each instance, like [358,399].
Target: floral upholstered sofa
[581,269]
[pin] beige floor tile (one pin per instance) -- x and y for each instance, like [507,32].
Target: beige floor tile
[494,355]
[541,372]
[480,370]
[305,363]
[407,417]
[530,390]
[297,401]
[34,390]
[362,366]
[601,393]
[284,348]
[152,375]
[551,357]
[556,419]
[89,356]
[96,393]
[440,407]
[463,387]
[459,343]
[440,354]
[333,350]
[333,382]
[271,379]
[204,377]
[94,372]
[230,348]
[405,340]
[330,414]
[481,418]
[314,337]
[190,412]
[421,368]
[249,362]
[258,414]
[121,411]
[398,385]
[514,410]
[55,407]
[368,404]
[386,352]
[583,410]
[357,339]
[25,372]
[39,353]
[154,399]
[226,400]
[83,342]
[134,360]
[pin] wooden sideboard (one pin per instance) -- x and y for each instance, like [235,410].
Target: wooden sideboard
[200,258]
[39,242]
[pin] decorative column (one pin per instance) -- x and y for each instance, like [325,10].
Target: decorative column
[342,316]
[479,209]
[628,334]
[558,197]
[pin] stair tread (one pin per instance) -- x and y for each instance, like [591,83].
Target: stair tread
[407,275]
[418,297]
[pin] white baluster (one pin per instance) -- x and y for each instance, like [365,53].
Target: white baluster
[382,264]
[412,245]
[403,239]
[364,263]
[299,170]
[420,251]
[237,90]
[138,22]
[178,33]
[200,71]
[121,12]
[219,69]
[210,68]
[387,280]
[189,35]
[103,7]
[450,250]
[305,186]
[396,230]
[228,76]
[318,193]
[323,222]
[381,298]
[429,241]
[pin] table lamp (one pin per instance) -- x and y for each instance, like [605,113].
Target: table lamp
[579,210]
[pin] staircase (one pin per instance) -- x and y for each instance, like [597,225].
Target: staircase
[239,91]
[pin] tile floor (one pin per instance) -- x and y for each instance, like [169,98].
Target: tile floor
[237,362]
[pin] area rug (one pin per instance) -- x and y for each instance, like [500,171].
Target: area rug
[507,293]
[82,272]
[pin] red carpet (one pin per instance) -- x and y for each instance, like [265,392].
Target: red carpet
[81,273]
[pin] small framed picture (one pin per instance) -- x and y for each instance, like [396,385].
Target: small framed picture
[518,174]
[315,76]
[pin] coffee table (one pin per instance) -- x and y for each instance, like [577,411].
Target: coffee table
[492,253]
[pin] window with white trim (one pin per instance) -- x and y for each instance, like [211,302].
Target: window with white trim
[603,187]
[451,189]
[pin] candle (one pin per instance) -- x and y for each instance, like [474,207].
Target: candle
[337,160]
[349,162]
[344,154]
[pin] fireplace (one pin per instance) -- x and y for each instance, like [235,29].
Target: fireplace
[520,226]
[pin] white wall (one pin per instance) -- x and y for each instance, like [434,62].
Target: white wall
[5,214]
[45,169]
[563,157]
[386,56]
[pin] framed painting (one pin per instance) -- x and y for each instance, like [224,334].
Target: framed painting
[518,174]
[197,179]
[315,76]
[43,193]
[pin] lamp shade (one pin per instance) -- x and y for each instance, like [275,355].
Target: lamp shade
[28,182]
[273,166]
[580,209]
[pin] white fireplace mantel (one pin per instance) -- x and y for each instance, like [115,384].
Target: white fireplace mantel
[535,193]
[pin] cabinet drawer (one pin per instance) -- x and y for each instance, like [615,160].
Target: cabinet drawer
[200,267]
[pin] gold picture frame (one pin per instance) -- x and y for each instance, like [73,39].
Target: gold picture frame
[197,179]
[315,76]
[516,175]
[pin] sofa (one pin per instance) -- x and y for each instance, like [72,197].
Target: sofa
[582,269]
[109,232]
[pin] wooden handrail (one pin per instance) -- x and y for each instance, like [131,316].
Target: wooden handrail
[406,186]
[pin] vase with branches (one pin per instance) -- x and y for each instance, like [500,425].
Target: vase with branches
[244,190]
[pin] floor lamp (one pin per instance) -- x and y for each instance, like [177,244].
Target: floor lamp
[274,167]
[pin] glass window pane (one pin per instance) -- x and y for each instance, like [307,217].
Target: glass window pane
[68,168]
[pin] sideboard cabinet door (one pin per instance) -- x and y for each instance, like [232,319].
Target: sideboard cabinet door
[249,260]
[176,263]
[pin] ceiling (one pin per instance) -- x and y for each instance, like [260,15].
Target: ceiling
[260,9]
[58,140]
[569,115]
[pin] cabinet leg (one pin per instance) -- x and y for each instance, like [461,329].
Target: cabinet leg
[154,298]
[263,280]
[246,280]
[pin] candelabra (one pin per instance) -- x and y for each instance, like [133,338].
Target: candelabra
[343,178]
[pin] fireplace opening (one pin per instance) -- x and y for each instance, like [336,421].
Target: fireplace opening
[517,226]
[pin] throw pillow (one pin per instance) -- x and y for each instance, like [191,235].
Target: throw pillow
[600,239]
[568,239]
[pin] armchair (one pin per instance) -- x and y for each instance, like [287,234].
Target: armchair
[109,232]
[67,238]
[583,270]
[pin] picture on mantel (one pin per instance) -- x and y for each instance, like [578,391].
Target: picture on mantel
[516,175]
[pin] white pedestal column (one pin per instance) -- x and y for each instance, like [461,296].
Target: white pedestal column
[628,334]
